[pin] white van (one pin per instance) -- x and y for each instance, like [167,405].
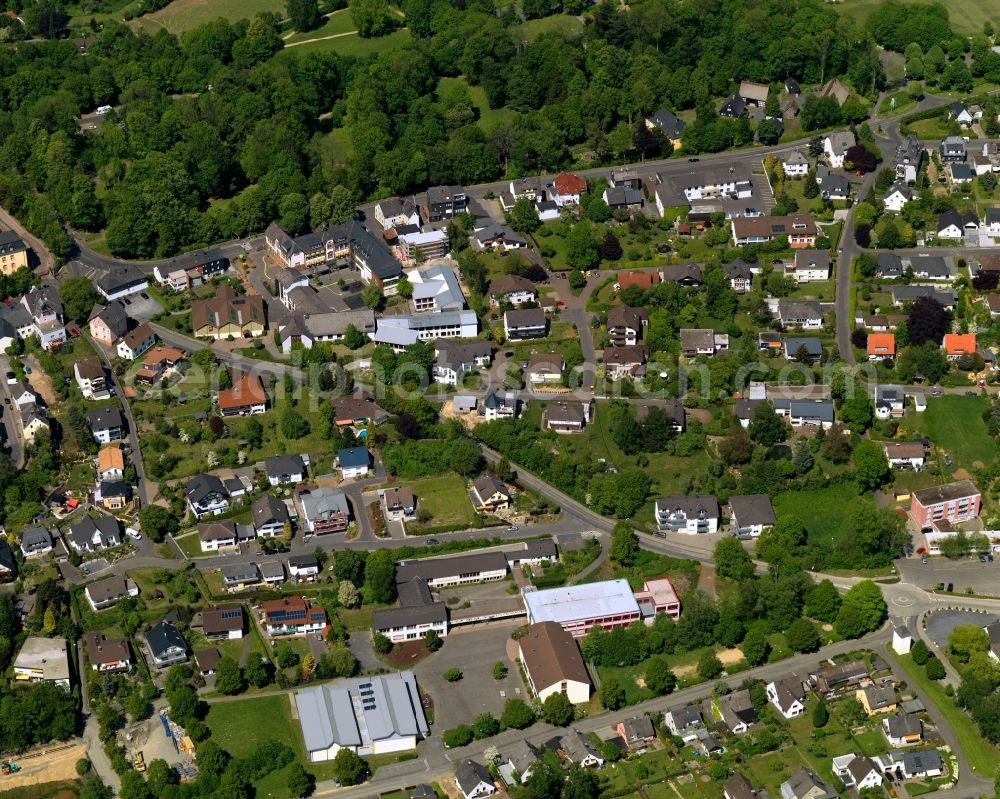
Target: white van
[102,110]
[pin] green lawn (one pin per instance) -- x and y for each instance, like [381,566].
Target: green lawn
[935,128]
[183,15]
[981,754]
[488,117]
[190,545]
[351,45]
[337,22]
[954,423]
[563,24]
[238,727]
[821,510]
[447,500]
[966,16]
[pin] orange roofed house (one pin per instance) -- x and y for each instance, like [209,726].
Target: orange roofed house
[958,344]
[246,398]
[881,346]
[643,280]
[291,615]
[800,229]
[227,315]
[157,361]
[111,463]
[568,188]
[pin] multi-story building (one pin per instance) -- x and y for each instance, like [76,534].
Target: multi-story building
[942,506]
[577,608]
[325,511]
[13,253]
[228,315]
[687,514]
[291,615]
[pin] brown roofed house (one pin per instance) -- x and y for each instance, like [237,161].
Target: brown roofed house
[553,663]
[228,315]
[245,398]
[107,655]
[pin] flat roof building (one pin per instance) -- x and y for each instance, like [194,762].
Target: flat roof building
[43,660]
[577,608]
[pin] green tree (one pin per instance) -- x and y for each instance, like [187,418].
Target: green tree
[293,425]
[802,636]
[349,768]
[612,693]
[581,244]
[454,674]
[347,594]
[354,338]
[862,611]
[404,288]
[658,676]
[78,297]
[304,14]
[802,457]
[823,602]
[709,666]
[516,715]
[499,670]
[934,669]
[871,468]
[524,217]
[371,17]
[485,726]
[300,782]
[158,522]
[732,560]
[228,678]
[766,427]
[965,640]
[557,710]
[755,646]
[624,545]
[820,714]
[372,297]
[133,786]
[432,640]
[256,673]
[919,652]
[857,412]
[381,643]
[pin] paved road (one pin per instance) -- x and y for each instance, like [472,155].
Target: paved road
[252,365]
[12,424]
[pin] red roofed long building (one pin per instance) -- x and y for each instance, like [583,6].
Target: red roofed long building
[245,398]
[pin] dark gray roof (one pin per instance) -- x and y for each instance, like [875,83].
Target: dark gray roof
[162,636]
[387,619]
[105,419]
[906,724]
[752,509]
[202,485]
[470,774]
[278,465]
[303,561]
[668,123]
[113,315]
[434,568]
[918,761]
[267,508]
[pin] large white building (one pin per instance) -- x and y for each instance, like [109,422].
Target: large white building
[369,715]
[577,608]
[43,660]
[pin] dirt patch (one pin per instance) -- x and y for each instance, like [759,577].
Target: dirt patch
[729,656]
[407,654]
[827,628]
[46,765]
[640,681]
[703,415]
[706,579]
[685,671]
[40,381]
[963,474]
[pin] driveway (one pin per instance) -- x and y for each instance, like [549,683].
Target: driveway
[360,644]
[474,650]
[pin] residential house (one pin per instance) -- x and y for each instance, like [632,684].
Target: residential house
[751,514]
[272,572]
[399,503]
[474,781]
[952,149]
[684,275]
[625,362]
[226,622]
[307,329]
[166,645]
[117,282]
[960,114]
[912,764]
[838,677]
[566,417]
[291,615]
[553,663]
[795,164]
[356,412]
[953,225]
[157,363]
[227,315]
[109,592]
[733,107]
[739,787]
[754,94]
[804,314]
[697,342]
[269,515]
[944,505]
[108,323]
[247,397]
[623,198]
[857,771]
[800,413]
[931,268]
[881,346]
[36,541]
[805,349]
[513,290]
[625,176]
[991,222]
[904,294]
[90,378]
[684,722]
[396,211]
[834,185]
[899,194]
[325,511]
[877,699]
[667,123]
[687,514]
[239,576]
[737,711]
[905,729]
[544,369]
[637,732]
[91,535]
[730,182]
[568,188]
[216,535]
[354,462]
[107,655]
[112,494]
[106,425]
[625,326]
[907,159]
[455,359]
[446,202]
[805,784]
[961,173]
[901,455]
[524,323]
[958,344]
[516,763]
[888,266]
[494,236]
[13,253]
[207,661]
[46,312]
[740,275]
[303,568]
[490,494]
[787,695]
[43,660]
[810,266]
[498,405]
[285,469]
[836,145]
[134,343]
[205,494]
[576,748]
[799,229]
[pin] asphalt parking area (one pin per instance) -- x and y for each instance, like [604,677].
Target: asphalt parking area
[942,622]
[474,650]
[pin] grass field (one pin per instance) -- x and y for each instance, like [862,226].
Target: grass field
[955,424]
[351,45]
[183,15]
[821,510]
[558,23]
[982,755]
[337,22]
[488,117]
[238,727]
[966,16]
[447,501]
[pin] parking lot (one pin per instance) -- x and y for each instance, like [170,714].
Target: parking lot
[982,577]
[473,650]
[942,622]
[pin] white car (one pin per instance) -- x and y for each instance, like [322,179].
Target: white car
[133,533]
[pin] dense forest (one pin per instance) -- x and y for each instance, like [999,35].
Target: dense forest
[217,133]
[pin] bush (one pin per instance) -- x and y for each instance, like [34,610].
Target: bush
[920,653]
[709,666]
[457,736]
[935,669]
[453,674]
